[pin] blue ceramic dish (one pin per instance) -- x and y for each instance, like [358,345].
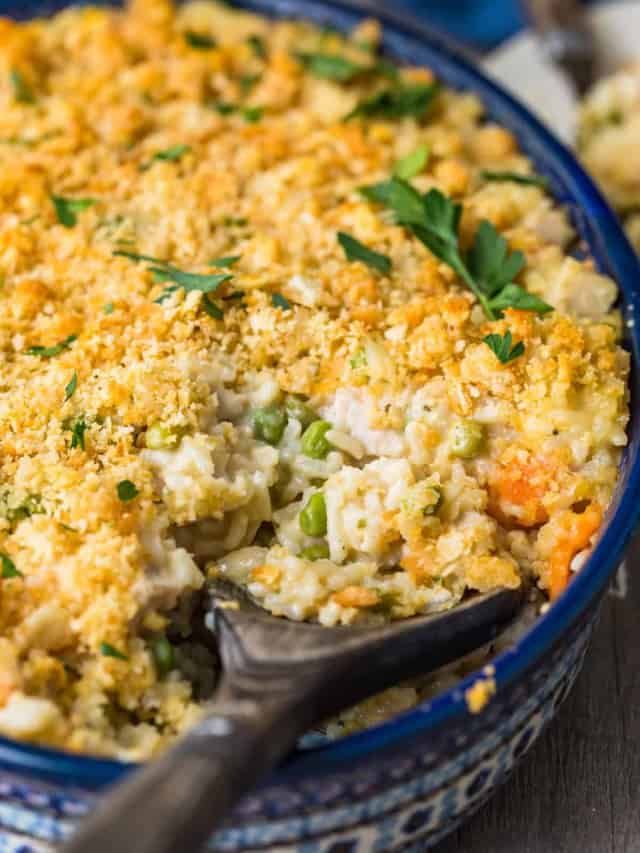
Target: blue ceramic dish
[407,783]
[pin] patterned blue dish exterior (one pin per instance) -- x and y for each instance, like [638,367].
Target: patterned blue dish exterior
[405,784]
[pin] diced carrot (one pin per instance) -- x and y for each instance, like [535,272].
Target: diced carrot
[356,596]
[577,530]
[517,490]
[267,574]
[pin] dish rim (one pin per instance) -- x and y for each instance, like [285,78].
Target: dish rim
[403,36]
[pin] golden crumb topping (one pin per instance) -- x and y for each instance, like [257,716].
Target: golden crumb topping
[189,264]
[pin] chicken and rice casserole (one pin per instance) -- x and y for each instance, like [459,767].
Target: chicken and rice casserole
[609,142]
[277,312]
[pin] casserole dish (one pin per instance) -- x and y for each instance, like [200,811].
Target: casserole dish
[409,781]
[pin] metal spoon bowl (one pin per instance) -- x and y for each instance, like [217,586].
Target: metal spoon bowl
[279,679]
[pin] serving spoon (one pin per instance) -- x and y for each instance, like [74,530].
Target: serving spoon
[279,679]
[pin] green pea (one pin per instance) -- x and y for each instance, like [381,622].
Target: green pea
[163,655]
[438,499]
[269,424]
[467,439]
[313,518]
[314,441]
[297,408]
[162,437]
[315,552]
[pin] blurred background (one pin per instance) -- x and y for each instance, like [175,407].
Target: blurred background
[479,23]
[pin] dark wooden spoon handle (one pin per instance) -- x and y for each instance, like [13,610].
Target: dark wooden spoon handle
[279,679]
[554,14]
[172,804]
[566,38]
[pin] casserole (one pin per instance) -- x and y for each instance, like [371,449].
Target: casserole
[457,745]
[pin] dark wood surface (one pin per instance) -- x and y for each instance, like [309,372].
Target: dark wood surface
[578,789]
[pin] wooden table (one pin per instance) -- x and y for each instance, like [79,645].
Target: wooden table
[578,790]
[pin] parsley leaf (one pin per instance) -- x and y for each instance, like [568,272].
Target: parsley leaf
[127,491]
[488,268]
[514,296]
[405,201]
[56,349]
[223,107]
[257,45]
[71,386]
[227,261]
[494,269]
[330,66]
[397,102]
[501,347]
[134,256]
[31,505]
[67,208]
[172,154]
[279,301]
[489,262]
[9,569]
[212,309]
[78,427]
[412,164]
[189,281]
[252,114]
[357,251]
[516,178]
[21,90]
[109,651]
[109,308]
[248,81]
[199,41]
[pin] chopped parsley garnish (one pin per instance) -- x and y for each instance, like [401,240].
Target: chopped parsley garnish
[67,208]
[279,301]
[31,505]
[248,81]
[21,89]
[386,69]
[358,360]
[109,651]
[127,491]
[9,569]
[488,268]
[77,427]
[224,108]
[188,281]
[134,256]
[171,155]
[212,309]
[227,261]
[257,45]
[249,114]
[412,164]
[516,178]
[357,251]
[56,349]
[109,308]
[199,41]
[235,221]
[71,386]
[397,102]
[501,347]
[330,66]
[252,114]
